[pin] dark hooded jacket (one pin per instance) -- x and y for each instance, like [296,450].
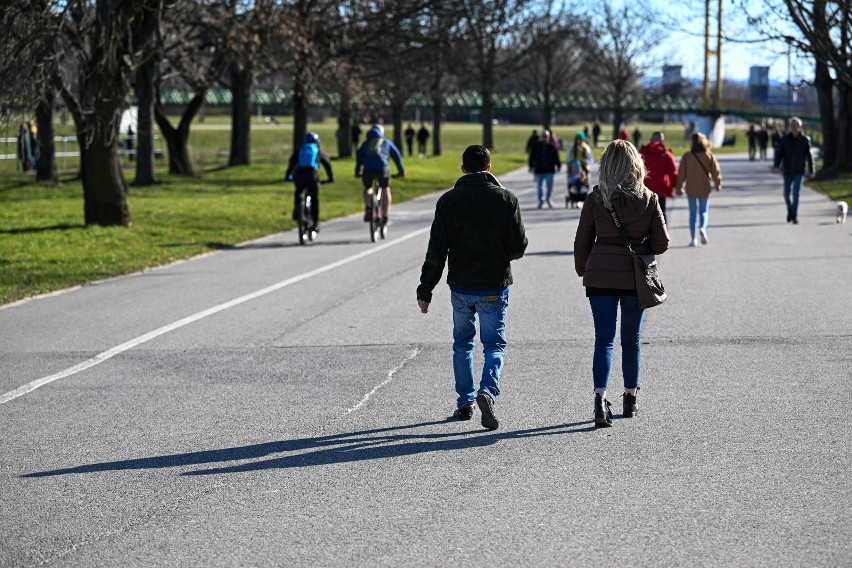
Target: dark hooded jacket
[478,227]
[794,152]
[600,255]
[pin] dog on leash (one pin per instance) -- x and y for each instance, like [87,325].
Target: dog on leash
[842,209]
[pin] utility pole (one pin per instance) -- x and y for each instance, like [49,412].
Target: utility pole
[705,98]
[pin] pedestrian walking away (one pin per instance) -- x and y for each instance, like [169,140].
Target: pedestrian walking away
[637,136]
[409,139]
[752,142]
[606,266]
[793,158]
[596,133]
[478,227]
[661,167]
[763,141]
[544,162]
[532,141]
[303,171]
[422,137]
[372,158]
[697,169]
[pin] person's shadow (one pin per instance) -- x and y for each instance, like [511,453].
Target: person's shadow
[381,443]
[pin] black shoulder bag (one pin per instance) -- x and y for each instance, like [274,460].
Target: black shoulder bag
[649,286]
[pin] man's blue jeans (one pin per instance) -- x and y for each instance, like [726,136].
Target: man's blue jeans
[547,181]
[792,186]
[698,211]
[491,306]
[604,313]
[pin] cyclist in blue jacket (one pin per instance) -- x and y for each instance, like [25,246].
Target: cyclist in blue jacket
[303,170]
[372,158]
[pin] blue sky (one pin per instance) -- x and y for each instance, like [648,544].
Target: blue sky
[685,46]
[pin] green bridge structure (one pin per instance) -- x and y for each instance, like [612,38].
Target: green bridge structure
[472,100]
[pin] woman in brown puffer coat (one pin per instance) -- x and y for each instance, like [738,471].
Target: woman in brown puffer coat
[696,169]
[603,260]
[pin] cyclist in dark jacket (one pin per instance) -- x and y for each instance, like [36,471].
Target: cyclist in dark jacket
[478,227]
[794,151]
[303,170]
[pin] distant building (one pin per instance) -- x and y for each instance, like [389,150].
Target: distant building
[672,80]
[758,84]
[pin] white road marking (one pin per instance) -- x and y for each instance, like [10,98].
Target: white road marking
[389,378]
[101,357]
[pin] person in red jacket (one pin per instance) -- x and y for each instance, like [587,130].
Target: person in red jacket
[662,169]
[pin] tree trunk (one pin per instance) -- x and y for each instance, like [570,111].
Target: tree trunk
[344,125]
[825,95]
[437,112]
[617,120]
[300,114]
[145,77]
[46,170]
[547,106]
[177,139]
[104,188]
[843,159]
[487,119]
[241,79]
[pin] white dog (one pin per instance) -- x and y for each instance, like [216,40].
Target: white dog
[842,208]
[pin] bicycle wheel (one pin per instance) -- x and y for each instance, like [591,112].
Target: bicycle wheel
[374,218]
[304,212]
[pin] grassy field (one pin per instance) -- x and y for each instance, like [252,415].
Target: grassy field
[44,245]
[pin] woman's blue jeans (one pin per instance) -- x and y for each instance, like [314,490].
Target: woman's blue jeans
[604,313]
[544,180]
[792,186]
[698,211]
[491,307]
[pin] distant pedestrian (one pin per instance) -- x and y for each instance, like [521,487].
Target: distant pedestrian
[698,168]
[637,136]
[129,143]
[606,266]
[751,135]
[661,169]
[409,139]
[422,137]
[480,250]
[622,134]
[532,141]
[763,141]
[596,133]
[26,147]
[793,158]
[544,162]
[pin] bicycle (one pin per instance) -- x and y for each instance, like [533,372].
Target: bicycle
[307,231]
[378,224]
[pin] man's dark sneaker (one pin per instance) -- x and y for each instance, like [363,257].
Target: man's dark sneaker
[603,415]
[465,412]
[486,406]
[795,220]
[631,407]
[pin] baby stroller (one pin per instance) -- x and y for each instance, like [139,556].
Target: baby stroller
[578,184]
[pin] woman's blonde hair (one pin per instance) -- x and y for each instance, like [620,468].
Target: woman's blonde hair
[621,169]
[699,142]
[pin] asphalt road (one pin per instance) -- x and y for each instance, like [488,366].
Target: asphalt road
[278,405]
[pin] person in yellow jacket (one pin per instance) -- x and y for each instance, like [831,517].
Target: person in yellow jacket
[698,168]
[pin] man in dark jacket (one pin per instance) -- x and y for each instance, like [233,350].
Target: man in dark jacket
[478,227]
[544,162]
[794,151]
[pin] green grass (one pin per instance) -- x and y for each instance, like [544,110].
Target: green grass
[44,245]
[839,189]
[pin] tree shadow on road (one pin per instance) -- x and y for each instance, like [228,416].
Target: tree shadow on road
[381,443]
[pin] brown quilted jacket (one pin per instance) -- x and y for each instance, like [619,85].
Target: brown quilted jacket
[600,255]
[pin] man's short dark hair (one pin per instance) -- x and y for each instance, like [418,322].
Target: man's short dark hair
[476,159]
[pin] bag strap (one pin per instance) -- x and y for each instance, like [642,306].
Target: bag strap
[697,159]
[621,230]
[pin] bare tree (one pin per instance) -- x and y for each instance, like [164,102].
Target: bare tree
[823,29]
[616,47]
[490,30]
[88,50]
[556,53]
